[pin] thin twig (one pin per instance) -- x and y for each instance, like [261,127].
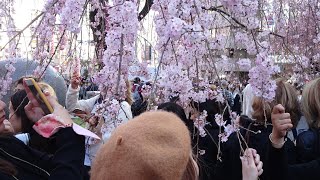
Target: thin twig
[21,31]
[120,63]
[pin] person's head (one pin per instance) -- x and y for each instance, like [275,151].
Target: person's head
[212,107]
[145,91]
[18,84]
[177,110]
[137,80]
[224,84]
[154,145]
[285,95]
[174,108]
[311,103]
[261,110]
[17,116]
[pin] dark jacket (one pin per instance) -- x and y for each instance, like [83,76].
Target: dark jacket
[42,144]
[66,163]
[277,167]
[207,149]
[231,151]
[308,146]
[237,105]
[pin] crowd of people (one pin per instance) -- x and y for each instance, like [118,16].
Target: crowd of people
[276,140]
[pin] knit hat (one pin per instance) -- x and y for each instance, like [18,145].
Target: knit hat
[154,145]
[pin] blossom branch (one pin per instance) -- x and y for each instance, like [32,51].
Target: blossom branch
[21,31]
[120,62]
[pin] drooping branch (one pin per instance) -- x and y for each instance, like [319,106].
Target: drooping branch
[21,31]
[216,9]
[101,25]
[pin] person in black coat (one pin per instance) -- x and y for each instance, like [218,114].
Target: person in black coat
[206,147]
[236,99]
[257,133]
[17,103]
[19,161]
[277,166]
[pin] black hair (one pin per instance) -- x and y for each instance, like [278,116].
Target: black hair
[18,101]
[179,111]
[212,107]
[137,80]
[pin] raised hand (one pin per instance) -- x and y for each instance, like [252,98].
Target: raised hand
[75,81]
[34,112]
[281,124]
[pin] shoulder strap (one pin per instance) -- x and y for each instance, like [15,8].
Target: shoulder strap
[295,133]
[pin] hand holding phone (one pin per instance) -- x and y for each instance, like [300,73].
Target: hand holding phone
[36,95]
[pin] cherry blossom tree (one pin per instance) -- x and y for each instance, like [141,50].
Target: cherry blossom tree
[194,41]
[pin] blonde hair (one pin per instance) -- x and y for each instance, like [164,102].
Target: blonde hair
[261,110]
[285,95]
[311,103]
[192,170]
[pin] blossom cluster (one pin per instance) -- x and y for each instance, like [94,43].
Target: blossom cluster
[120,53]
[12,52]
[200,122]
[227,129]
[261,79]
[71,13]
[45,34]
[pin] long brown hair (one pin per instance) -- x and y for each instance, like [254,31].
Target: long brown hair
[285,95]
[7,167]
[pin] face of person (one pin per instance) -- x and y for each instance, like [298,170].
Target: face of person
[2,112]
[14,120]
[18,88]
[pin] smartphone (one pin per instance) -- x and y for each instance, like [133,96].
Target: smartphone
[33,86]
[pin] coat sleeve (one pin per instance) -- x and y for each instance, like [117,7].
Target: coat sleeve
[276,166]
[73,103]
[69,157]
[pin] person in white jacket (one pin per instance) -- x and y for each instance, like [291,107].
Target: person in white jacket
[247,101]
[89,106]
